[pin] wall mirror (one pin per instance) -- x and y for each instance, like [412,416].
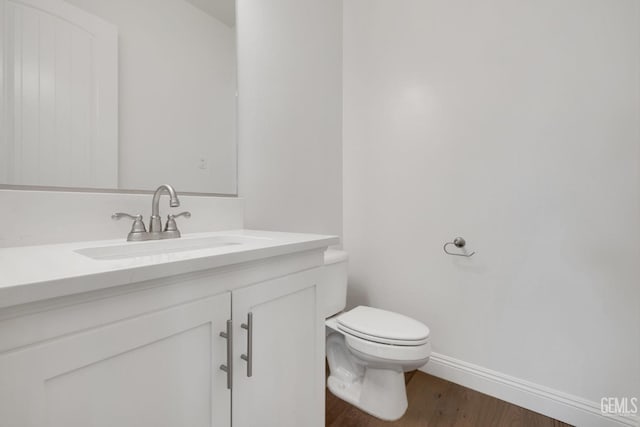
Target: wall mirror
[118,94]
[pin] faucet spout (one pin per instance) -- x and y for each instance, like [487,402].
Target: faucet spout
[155,224]
[174,202]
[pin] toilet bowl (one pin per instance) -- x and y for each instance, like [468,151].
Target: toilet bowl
[369,349]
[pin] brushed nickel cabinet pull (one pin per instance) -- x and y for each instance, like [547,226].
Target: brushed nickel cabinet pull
[249,356]
[228,368]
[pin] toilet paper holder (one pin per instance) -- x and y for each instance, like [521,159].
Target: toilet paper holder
[458,242]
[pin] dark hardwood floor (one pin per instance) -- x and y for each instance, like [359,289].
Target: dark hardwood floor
[436,402]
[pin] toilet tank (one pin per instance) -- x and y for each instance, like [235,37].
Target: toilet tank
[334,287]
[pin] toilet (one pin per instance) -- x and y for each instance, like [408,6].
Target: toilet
[369,349]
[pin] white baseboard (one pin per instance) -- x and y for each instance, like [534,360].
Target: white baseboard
[561,406]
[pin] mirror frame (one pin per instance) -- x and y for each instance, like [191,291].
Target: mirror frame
[107,190]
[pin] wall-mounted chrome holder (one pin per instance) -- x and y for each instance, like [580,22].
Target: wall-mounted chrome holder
[458,242]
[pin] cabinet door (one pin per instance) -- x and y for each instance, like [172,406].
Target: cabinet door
[286,386]
[157,369]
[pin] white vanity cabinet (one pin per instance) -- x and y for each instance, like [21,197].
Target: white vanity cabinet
[149,354]
[286,361]
[155,369]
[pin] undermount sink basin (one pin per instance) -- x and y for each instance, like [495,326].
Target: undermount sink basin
[158,247]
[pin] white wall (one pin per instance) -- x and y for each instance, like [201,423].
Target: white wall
[290,59]
[516,126]
[177,95]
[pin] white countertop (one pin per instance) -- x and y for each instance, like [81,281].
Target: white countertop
[31,273]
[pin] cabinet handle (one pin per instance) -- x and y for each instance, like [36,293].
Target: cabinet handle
[228,368]
[249,356]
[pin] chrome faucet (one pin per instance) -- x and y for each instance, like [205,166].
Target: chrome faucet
[139,232]
[155,224]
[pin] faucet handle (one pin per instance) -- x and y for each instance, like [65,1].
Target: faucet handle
[119,215]
[138,224]
[171,220]
[185,214]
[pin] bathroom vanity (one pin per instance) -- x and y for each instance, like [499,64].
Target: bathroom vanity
[214,329]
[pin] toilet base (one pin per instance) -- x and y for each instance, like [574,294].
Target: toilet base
[379,392]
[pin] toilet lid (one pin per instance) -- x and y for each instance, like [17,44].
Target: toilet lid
[383,326]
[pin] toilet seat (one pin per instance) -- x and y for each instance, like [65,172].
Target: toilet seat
[382,340]
[371,351]
[383,327]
